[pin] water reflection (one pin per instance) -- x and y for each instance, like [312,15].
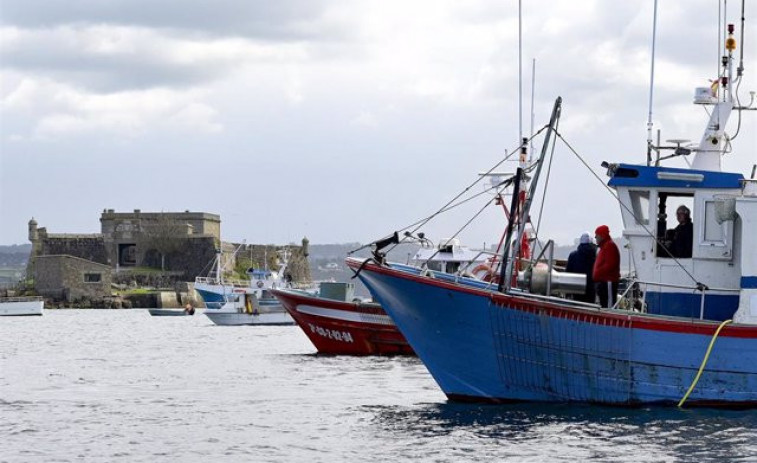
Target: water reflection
[564,432]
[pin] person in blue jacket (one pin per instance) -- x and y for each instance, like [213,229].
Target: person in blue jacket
[582,261]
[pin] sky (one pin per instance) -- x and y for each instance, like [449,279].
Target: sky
[339,121]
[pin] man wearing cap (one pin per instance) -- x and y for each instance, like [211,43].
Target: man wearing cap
[683,234]
[582,261]
[606,272]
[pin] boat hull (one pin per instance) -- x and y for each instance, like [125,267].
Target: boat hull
[344,328]
[215,296]
[486,346]
[17,307]
[167,312]
[235,319]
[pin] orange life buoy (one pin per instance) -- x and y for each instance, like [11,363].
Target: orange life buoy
[484,272]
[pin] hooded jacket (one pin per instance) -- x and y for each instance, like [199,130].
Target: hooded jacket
[607,265]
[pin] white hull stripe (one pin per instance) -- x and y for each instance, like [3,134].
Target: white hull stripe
[249,319]
[345,315]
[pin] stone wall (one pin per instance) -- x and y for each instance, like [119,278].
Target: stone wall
[193,255]
[70,278]
[199,223]
[88,247]
[133,239]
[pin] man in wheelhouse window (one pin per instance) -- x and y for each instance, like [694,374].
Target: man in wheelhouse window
[683,234]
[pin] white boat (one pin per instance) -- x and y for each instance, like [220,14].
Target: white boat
[246,302]
[450,256]
[18,306]
[245,309]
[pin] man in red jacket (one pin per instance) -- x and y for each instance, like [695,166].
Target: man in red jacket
[606,272]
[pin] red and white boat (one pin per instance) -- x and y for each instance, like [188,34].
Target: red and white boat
[338,325]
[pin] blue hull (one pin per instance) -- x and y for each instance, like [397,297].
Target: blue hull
[480,345]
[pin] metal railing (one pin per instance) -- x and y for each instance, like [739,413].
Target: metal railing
[21,298]
[703,289]
[215,281]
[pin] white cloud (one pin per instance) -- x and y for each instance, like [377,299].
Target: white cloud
[290,84]
[61,110]
[366,119]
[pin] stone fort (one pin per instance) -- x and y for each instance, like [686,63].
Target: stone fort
[177,245]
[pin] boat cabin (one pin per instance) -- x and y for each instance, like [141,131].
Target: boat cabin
[699,275]
[447,257]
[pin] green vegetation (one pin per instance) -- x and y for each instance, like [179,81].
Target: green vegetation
[142,270]
[128,292]
[240,271]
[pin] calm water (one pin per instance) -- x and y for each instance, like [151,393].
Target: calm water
[99,385]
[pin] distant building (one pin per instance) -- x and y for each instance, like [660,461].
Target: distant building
[69,278]
[182,245]
[130,236]
[183,242]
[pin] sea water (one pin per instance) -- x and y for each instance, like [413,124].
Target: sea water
[120,385]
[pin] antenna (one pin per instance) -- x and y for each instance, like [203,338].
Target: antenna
[650,125]
[533,89]
[740,69]
[520,76]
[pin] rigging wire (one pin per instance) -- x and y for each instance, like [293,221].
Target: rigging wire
[738,111]
[450,204]
[438,249]
[544,190]
[504,184]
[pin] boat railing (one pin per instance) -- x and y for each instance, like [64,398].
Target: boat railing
[703,289]
[215,281]
[476,260]
[21,298]
[553,299]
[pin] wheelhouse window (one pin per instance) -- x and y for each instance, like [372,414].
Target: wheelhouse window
[713,231]
[675,229]
[640,206]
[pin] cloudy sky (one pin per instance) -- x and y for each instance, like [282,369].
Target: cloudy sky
[336,120]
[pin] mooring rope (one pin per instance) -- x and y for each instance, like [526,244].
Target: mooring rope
[704,362]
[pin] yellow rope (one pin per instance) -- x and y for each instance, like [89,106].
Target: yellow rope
[704,362]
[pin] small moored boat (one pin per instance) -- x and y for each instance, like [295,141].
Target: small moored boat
[169,312]
[245,309]
[20,306]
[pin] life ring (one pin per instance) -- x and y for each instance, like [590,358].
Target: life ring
[484,272]
[260,284]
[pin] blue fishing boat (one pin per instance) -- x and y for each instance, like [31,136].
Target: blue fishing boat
[683,331]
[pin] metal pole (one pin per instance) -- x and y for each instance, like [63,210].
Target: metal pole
[651,87]
[533,90]
[504,272]
[549,267]
[520,74]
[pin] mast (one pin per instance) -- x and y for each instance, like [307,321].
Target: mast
[714,141]
[523,212]
[520,74]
